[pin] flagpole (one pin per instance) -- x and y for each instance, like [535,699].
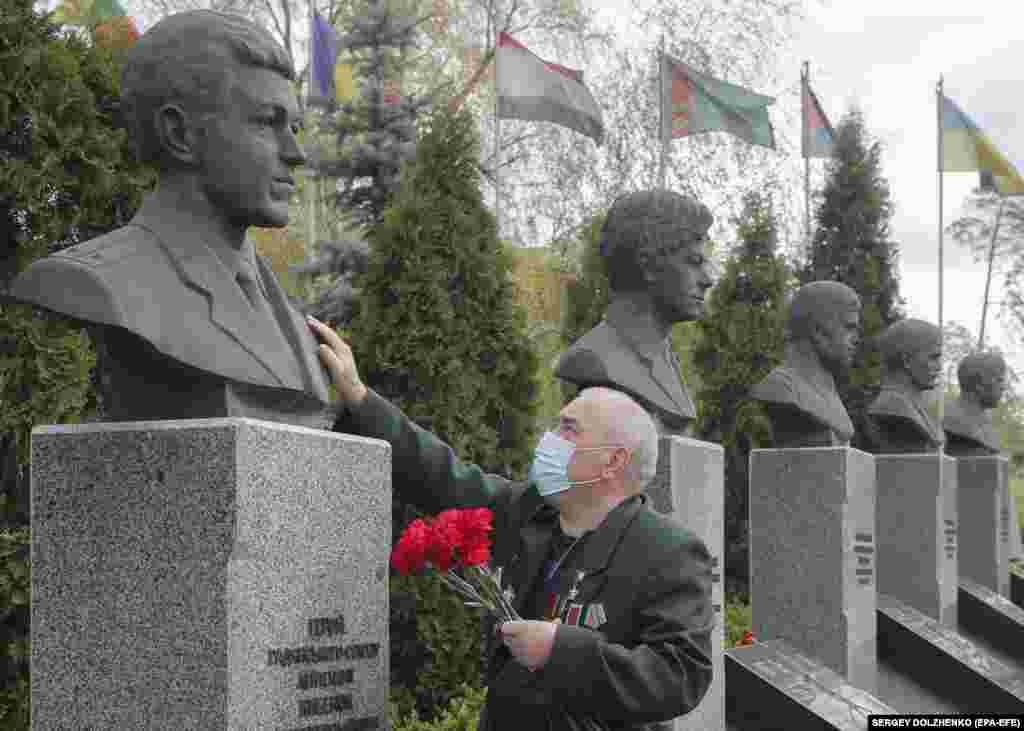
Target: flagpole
[663,165]
[497,143]
[805,82]
[942,329]
[310,177]
[988,278]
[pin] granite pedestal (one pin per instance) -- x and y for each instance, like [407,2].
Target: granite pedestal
[916,529]
[774,686]
[812,555]
[984,515]
[690,484]
[214,574]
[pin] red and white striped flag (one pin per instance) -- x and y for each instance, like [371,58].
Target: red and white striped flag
[536,90]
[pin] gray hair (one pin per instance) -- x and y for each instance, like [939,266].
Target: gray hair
[629,425]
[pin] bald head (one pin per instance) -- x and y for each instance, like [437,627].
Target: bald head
[819,304]
[622,421]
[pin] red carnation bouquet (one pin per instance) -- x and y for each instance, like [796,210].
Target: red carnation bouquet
[457,543]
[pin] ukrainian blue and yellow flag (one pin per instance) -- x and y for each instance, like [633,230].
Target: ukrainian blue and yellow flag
[328,77]
[965,149]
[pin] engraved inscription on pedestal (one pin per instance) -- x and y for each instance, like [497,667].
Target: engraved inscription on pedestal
[328,678]
[950,533]
[864,550]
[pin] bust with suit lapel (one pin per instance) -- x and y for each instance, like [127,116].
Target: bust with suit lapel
[967,420]
[653,245]
[800,395]
[208,99]
[911,364]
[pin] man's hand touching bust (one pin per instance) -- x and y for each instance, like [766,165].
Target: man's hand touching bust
[338,359]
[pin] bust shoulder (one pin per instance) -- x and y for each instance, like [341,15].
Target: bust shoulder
[583,361]
[892,402]
[781,385]
[94,271]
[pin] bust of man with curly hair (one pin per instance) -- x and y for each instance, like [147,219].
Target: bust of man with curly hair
[653,244]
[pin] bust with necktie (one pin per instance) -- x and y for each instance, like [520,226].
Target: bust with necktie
[967,420]
[911,364]
[187,320]
[653,245]
[800,395]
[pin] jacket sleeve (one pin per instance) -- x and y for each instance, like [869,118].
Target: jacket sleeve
[425,470]
[666,673]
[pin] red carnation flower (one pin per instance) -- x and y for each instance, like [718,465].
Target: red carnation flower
[411,552]
[748,638]
[474,528]
[444,539]
[478,555]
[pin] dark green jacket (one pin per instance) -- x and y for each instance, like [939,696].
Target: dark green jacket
[650,661]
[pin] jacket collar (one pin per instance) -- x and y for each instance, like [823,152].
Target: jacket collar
[600,543]
[200,267]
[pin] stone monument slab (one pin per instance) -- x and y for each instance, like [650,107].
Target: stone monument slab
[689,484]
[772,685]
[984,521]
[916,529]
[955,667]
[993,618]
[812,555]
[210,573]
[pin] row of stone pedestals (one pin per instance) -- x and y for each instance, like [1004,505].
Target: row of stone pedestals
[860,562]
[232,574]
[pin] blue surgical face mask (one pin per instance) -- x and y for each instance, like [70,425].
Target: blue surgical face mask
[550,468]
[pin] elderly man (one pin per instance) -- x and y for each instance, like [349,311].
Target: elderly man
[967,421]
[578,543]
[898,421]
[800,395]
[187,321]
[653,243]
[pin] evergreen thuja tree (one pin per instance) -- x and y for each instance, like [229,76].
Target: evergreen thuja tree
[370,138]
[66,175]
[852,245]
[440,333]
[738,343]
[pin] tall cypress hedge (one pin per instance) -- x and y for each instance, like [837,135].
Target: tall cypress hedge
[67,174]
[439,332]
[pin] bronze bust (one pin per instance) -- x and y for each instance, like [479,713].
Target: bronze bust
[653,244]
[187,320]
[911,364]
[968,421]
[800,396]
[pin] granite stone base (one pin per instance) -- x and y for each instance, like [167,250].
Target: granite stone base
[983,508]
[916,529]
[954,667]
[1017,590]
[690,485]
[1016,549]
[209,574]
[993,620]
[812,555]
[773,685]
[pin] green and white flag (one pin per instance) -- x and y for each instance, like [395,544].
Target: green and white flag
[692,102]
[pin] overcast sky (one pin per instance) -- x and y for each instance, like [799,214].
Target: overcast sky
[887,57]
